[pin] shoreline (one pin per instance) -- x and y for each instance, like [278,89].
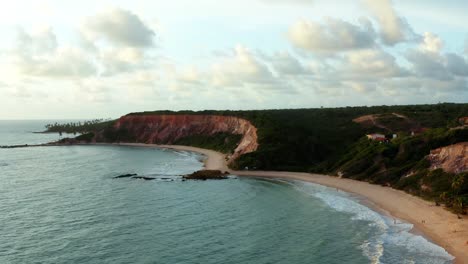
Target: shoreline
[439,225]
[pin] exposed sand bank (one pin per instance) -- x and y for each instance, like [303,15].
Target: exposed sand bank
[213,161]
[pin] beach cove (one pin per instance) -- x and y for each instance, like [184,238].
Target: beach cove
[441,226]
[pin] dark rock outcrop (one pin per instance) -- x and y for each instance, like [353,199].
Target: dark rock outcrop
[16,146]
[126,175]
[144,178]
[207,175]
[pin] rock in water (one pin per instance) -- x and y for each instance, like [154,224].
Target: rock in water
[125,176]
[144,178]
[206,175]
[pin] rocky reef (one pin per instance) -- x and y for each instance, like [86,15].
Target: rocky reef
[206,175]
[129,175]
[167,129]
[453,158]
[135,176]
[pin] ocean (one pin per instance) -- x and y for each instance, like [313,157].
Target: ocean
[63,205]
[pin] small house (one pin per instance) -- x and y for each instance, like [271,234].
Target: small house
[463,121]
[377,137]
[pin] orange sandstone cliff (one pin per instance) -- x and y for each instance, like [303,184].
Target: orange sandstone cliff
[167,129]
[453,158]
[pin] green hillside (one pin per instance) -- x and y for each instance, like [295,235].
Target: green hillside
[333,141]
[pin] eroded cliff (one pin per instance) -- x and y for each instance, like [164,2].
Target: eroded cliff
[167,129]
[453,158]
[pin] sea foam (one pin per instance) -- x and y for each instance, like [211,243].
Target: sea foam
[387,235]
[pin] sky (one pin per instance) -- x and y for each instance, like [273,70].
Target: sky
[103,59]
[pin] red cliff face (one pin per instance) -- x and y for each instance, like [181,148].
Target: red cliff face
[453,158]
[167,129]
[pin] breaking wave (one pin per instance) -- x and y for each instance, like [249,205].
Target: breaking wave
[390,241]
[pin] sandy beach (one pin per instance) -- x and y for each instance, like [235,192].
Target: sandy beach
[440,225]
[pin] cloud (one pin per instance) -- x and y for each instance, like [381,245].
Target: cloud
[241,68]
[429,62]
[284,63]
[94,90]
[393,29]
[423,86]
[456,64]
[333,35]
[466,46]
[119,27]
[428,65]
[372,63]
[432,43]
[127,47]
[41,41]
[22,92]
[120,60]
[38,54]
[363,87]
[190,76]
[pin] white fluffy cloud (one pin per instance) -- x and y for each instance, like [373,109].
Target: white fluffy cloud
[41,41]
[118,27]
[126,48]
[119,60]
[428,65]
[65,62]
[332,35]
[432,43]
[38,54]
[190,75]
[242,67]
[120,39]
[428,61]
[285,64]
[372,63]
[393,29]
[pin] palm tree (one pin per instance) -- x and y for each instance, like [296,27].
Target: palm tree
[457,184]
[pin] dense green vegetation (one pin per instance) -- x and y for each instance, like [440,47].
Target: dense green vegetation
[222,142]
[328,141]
[117,135]
[78,127]
[310,139]
[401,163]
[87,137]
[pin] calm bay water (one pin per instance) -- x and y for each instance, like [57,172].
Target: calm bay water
[62,205]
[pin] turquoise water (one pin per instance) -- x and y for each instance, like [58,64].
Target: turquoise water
[62,205]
